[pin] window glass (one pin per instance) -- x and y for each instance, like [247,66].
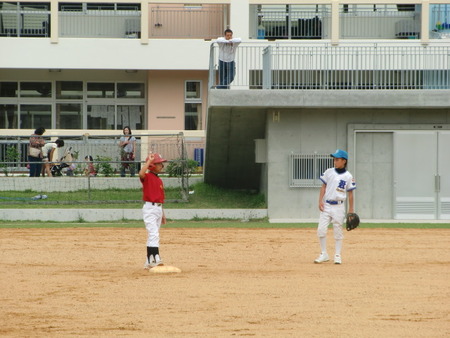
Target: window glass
[100,6]
[69,89]
[130,116]
[192,116]
[70,7]
[100,117]
[69,116]
[8,89]
[33,116]
[9,116]
[35,89]
[100,90]
[193,90]
[130,90]
[128,7]
[37,6]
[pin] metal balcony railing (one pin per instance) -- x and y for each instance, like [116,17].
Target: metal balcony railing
[379,25]
[323,66]
[292,25]
[27,20]
[100,24]
[207,21]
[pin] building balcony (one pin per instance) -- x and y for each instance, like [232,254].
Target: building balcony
[326,20]
[322,66]
[114,20]
[354,21]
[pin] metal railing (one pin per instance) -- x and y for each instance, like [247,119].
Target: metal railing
[379,25]
[16,22]
[100,24]
[103,149]
[292,25]
[323,66]
[206,21]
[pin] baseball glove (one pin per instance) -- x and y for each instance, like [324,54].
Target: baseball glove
[352,221]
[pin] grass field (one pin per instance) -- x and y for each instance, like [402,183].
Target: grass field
[204,196]
[251,224]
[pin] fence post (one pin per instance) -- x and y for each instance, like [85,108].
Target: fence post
[212,68]
[89,187]
[267,68]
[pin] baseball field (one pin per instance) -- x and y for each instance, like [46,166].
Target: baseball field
[78,280]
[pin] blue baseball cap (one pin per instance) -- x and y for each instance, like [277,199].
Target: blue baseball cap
[340,154]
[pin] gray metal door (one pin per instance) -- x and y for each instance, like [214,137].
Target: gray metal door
[421,181]
[443,175]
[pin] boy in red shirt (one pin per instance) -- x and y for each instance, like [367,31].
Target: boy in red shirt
[153,214]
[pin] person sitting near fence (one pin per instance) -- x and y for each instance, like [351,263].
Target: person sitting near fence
[127,143]
[48,151]
[90,169]
[35,152]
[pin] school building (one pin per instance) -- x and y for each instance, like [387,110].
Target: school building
[371,77]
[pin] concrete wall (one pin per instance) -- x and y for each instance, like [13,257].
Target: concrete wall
[65,183]
[73,53]
[166,98]
[230,159]
[323,131]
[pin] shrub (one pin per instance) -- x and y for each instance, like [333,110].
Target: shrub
[103,166]
[180,167]
[11,155]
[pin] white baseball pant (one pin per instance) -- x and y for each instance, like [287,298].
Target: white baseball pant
[334,214]
[152,215]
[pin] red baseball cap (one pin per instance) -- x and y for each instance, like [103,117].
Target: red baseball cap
[157,159]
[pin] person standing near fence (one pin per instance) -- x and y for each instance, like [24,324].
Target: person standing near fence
[127,144]
[152,211]
[227,54]
[35,152]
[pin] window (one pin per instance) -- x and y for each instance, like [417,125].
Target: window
[100,90]
[131,116]
[69,116]
[33,116]
[69,89]
[9,116]
[35,89]
[101,117]
[130,90]
[72,105]
[8,89]
[193,105]
[305,169]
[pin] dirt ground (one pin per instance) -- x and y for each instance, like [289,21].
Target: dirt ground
[234,282]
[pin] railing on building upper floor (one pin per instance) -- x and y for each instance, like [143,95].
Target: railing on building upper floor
[288,65]
[24,19]
[114,20]
[207,21]
[195,21]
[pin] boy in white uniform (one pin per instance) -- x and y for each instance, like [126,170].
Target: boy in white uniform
[337,183]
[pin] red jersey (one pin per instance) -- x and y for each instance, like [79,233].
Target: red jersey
[152,188]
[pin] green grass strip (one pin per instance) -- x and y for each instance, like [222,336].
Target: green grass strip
[208,224]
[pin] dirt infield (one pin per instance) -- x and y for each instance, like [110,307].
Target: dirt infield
[234,282]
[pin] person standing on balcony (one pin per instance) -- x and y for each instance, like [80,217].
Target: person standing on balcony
[227,54]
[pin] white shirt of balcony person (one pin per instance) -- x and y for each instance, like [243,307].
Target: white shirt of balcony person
[227,53]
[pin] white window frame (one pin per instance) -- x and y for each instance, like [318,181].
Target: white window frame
[197,100]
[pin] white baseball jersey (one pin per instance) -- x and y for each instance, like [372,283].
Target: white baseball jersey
[337,184]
